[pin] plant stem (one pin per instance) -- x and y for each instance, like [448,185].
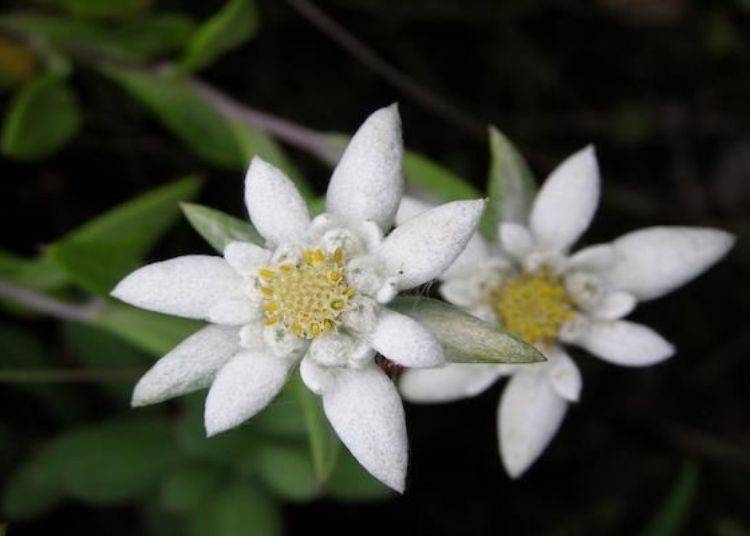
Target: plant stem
[51,306]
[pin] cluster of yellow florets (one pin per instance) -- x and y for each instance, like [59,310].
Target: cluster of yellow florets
[309,297]
[533,306]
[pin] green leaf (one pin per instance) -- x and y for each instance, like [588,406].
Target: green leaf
[254,142]
[232,26]
[350,482]
[511,186]
[111,9]
[674,513]
[466,339]
[324,445]
[30,491]
[134,41]
[151,332]
[104,464]
[436,180]
[40,274]
[282,418]
[188,487]
[236,510]
[42,118]
[102,251]
[287,471]
[99,350]
[219,228]
[185,113]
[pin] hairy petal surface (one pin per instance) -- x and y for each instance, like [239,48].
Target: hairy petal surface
[365,410]
[276,208]
[566,203]
[188,286]
[424,246]
[653,262]
[368,181]
[625,343]
[190,366]
[405,341]
[450,382]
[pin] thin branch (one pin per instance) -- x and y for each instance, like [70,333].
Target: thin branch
[365,55]
[304,138]
[68,376]
[51,306]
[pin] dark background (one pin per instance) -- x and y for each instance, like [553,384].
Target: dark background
[660,87]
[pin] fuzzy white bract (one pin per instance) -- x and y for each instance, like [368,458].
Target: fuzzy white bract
[532,286]
[315,294]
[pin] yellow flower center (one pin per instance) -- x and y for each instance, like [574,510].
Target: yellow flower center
[309,297]
[533,306]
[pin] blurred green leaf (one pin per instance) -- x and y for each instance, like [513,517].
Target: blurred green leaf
[286,470]
[324,445]
[109,9]
[98,350]
[674,513]
[188,487]
[184,112]
[22,350]
[30,492]
[466,339]
[436,180]
[316,205]
[233,25]
[511,187]
[151,332]
[102,251]
[40,274]
[42,118]
[350,482]
[256,142]
[282,418]
[138,40]
[18,63]
[236,510]
[219,228]
[103,464]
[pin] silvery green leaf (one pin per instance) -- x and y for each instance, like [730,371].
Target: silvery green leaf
[219,228]
[511,186]
[466,339]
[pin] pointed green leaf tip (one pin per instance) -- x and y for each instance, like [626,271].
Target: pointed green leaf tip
[466,339]
[511,186]
[219,228]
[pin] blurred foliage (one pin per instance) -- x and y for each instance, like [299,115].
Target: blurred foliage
[107,95]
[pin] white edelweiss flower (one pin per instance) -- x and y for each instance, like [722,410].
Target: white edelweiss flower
[531,284]
[316,294]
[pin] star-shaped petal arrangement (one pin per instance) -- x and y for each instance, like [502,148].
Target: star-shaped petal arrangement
[315,295]
[530,284]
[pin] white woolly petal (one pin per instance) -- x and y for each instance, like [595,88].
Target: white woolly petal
[475,252]
[625,343]
[331,349]
[563,374]
[423,247]
[614,305]
[275,206]
[282,342]
[450,382]
[243,387]
[317,378]
[652,262]
[410,207]
[234,312]
[245,257]
[368,181]
[361,316]
[186,286]
[251,336]
[516,239]
[585,289]
[592,258]
[365,410]
[190,366]
[529,416]
[566,203]
[405,341]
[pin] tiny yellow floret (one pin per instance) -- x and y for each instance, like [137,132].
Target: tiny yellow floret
[533,306]
[309,297]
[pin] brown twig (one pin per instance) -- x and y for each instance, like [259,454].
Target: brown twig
[365,55]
